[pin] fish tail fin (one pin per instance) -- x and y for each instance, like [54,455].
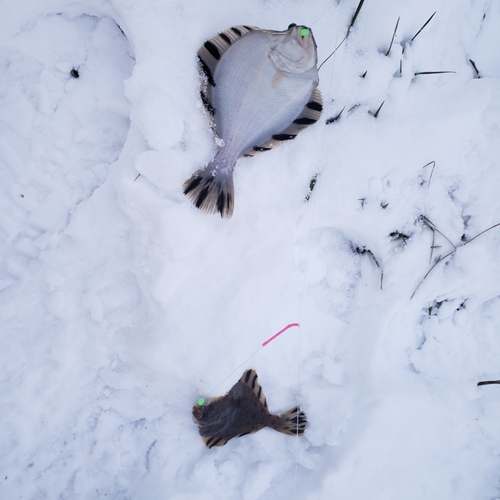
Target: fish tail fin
[293,422]
[212,190]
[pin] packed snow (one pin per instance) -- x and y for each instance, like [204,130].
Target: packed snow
[121,304]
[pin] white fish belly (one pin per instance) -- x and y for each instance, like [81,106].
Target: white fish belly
[252,100]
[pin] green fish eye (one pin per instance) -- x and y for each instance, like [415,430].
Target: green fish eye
[200,401]
[304,32]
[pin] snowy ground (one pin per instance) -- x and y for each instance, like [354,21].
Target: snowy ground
[121,304]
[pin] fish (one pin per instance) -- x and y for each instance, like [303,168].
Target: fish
[259,89]
[243,410]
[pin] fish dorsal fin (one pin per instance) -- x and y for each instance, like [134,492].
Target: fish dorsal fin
[211,52]
[309,115]
[209,55]
[214,399]
[215,441]
[250,378]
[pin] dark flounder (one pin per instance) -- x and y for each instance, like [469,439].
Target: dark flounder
[243,410]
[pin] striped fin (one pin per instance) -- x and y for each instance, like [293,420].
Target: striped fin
[294,422]
[211,52]
[213,400]
[309,115]
[209,55]
[211,190]
[250,378]
[215,441]
[247,433]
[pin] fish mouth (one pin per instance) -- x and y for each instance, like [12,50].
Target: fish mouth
[304,31]
[304,34]
[197,413]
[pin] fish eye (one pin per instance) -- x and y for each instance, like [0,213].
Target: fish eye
[292,25]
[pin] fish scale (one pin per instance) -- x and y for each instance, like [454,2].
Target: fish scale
[259,88]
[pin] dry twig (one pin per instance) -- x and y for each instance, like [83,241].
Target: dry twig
[455,248]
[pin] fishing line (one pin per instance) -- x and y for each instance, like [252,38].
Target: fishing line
[348,30]
[308,244]
[268,341]
[338,47]
[326,11]
[313,213]
[237,368]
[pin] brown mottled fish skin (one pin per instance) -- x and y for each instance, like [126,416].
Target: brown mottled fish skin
[243,410]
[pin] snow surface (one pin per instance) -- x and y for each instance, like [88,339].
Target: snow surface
[121,304]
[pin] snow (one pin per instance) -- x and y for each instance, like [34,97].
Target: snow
[121,303]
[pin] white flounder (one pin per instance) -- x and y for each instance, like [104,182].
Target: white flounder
[259,89]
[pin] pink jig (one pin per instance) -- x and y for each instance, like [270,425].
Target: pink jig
[279,333]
